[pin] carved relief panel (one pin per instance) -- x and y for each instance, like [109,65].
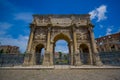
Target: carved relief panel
[82,34]
[58,30]
[40,34]
[43,21]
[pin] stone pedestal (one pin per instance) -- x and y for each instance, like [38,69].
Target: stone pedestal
[27,58]
[46,60]
[77,59]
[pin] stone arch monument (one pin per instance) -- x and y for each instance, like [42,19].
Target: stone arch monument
[77,30]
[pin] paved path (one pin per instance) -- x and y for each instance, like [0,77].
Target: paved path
[60,74]
[61,67]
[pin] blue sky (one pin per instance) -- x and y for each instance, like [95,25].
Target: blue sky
[16,15]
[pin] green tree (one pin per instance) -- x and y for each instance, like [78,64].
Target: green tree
[60,55]
[1,51]
[65,57]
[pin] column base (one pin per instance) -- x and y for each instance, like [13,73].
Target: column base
[77,60]
[46,61]
[25,64]
[99,63]
[27,59]
[78,64]
[46,64]
[32,63]
[51,63]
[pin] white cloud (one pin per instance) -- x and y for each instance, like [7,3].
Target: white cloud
[4,26]
[93,14]
[63,49]
[61,46]
[108,31]
[21,41]
[25,16]
[99,13]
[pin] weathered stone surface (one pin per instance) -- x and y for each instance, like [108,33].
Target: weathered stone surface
[8,49]
[59,74]
[77,30]
[109,43]
[61,20]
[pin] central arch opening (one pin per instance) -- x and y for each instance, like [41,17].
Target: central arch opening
[61,54]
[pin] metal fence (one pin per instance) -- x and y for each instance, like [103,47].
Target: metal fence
[11,59]
[108,58]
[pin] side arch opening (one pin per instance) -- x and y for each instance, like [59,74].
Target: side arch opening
[84,54]
[39,51]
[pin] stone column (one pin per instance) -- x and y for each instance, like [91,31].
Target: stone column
[47,57]
[97,60]
[54,53]
[32,27]
[71,53]
[51,53]
[28,53]
[76,52]
[90,54]
[33,56]
[48,40]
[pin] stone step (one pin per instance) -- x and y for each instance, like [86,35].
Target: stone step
[62,67]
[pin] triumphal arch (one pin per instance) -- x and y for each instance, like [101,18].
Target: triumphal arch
[76,29]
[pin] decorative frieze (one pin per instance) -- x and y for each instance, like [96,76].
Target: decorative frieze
[63,21]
